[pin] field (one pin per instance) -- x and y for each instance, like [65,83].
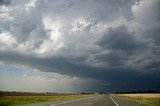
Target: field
[14,99]
[146,99]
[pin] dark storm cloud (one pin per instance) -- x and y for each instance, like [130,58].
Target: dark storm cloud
[153,33]
[109,77]
[121,44]
[120,39]
[5,2]
[85,39]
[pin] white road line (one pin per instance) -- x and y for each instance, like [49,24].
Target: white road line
[114,101]
[70,101]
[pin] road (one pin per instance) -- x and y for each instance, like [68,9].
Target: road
[100,100]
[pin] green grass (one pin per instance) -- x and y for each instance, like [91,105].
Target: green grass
[147,101]
[19,100]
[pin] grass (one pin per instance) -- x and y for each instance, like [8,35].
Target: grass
[146,99]
[19,100]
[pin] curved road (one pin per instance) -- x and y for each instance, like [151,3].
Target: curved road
[100,100]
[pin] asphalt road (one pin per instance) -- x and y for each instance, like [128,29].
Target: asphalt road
[100,100]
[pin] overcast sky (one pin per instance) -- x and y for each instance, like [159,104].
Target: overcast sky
[79,45]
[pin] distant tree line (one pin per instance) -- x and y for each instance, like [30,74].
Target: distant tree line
[138,91]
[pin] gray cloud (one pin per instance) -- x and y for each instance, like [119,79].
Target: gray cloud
[109,77]
[5,2]
[85,39]
[121,39]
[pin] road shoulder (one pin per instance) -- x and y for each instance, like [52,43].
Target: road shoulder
[124,101]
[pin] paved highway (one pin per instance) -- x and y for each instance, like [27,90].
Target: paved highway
[100,100]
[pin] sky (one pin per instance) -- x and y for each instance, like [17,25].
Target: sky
[79,45]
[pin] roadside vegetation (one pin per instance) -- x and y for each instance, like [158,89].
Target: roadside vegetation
[146,99]
[19,100]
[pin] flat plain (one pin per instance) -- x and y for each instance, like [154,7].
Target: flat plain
[148,99]
[16,98]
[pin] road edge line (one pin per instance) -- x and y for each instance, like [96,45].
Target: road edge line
[114,101]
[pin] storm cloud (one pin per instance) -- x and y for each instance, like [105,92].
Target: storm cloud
[115,43]
[5,2]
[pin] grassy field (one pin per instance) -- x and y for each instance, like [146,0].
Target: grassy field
[18,100]
[146,99]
